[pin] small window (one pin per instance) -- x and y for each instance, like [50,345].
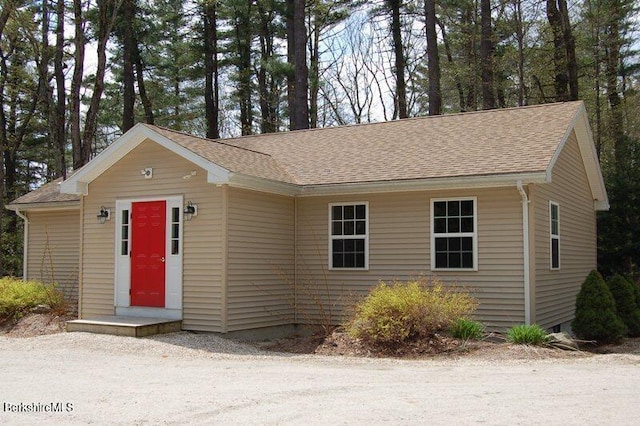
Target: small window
[348,242]
[175,230]
[554,235]
[124,236]
[453,234]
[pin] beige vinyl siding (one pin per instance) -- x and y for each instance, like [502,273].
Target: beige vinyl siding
[260,251]
[53,249]
[399,248]
[202,259]
[556,290]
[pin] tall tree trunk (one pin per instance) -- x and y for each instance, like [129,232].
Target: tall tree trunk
[559,52]
[211,70]
[518,18]
[268,120]
[291,59]
[60,121]
[447,50]
[243,31]
[570,47]
[314,75]
[400,62]
[613,45]
[433,58]
[301,89]
[76,85]
[486,55]
[107,13]
[142,88]
[129,95]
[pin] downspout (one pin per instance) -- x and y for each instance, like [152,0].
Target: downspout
[525,243]
[25,243]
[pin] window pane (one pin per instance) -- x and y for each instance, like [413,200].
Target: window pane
[361,227]
[125,232]
[174,246]
[554,212]
[467,244]
[124,249]
[454,244]
[440,225]
[467,260]
[337,260]
[349,245]
[441,260]
[454,260]
[175,214]
[466,208]
[453,208]
[554,227]
[125,217]
[336,228]
[349,228]
[360,211]
[467,224]
[453,224]
[175,231]
[349,260]
[441,244]
[336,212]
[439,209]
[360,245]
[338,246]
[359,260]
[555,253]
[349,212]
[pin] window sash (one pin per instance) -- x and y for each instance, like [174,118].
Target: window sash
[349,236]
[444,215]
[554,235]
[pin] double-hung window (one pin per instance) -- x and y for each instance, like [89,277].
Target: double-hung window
[454,241]
[554,235]
[348,236]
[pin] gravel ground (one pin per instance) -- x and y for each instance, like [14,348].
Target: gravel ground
[196,378]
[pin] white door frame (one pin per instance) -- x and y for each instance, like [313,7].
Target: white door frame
[173,264]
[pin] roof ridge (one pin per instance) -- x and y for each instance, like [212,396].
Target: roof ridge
[402,120]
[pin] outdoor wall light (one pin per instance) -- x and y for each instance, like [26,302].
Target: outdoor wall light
[103,215]
[190,210]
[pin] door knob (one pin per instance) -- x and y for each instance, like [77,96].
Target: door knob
[162,259]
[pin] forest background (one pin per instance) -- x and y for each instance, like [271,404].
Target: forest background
[76,74]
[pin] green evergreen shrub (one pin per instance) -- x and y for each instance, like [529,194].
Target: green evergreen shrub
[466,329]
[527,334]
[596,317]
[403,312]
[18,297]
[626,307]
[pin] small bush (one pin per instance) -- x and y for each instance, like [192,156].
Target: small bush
[402,312]
[17,297]
[527,334]
[466,329]
[626,307]
[596,317]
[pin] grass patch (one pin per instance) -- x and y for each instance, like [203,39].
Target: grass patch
[527,335]
[18,297]
[466,329]
[403,312]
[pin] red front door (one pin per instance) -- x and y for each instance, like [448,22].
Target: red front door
[148,231]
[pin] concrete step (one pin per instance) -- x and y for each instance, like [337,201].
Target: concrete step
[125,326]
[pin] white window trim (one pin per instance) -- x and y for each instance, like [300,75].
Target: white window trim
[473,234]
[354,237]
[554,237]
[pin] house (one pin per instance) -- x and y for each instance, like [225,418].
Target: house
[271,230]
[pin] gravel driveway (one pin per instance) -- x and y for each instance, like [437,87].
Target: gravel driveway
[202,379]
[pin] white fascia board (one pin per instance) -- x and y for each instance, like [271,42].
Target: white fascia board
[489,181]
[586,145]
[238,180]
[57,205]
[79,181]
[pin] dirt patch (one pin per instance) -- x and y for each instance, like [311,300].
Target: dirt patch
[35,325]
[493,347]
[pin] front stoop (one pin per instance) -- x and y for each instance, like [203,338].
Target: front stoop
[125,326]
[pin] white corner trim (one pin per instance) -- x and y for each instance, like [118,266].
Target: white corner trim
[25,244]
[525,250]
